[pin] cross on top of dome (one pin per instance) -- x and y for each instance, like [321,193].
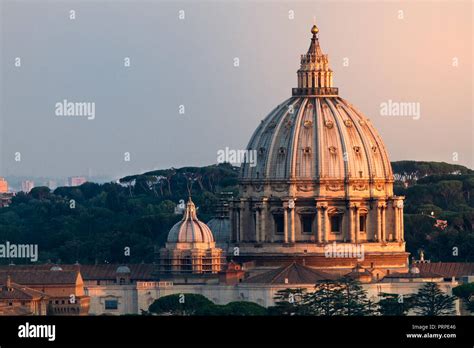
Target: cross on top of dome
[315,75]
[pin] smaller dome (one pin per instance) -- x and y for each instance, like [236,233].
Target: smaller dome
[56,268]
[190,229]
[220,227]
[414,270]
[123,269]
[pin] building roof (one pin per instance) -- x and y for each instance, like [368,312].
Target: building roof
[13,291]
[293,273]
[88,272]
[411,275]
[448,269]
[34,277]
[359,272]
[15,311]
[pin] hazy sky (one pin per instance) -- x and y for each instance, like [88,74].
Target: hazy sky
[424,57]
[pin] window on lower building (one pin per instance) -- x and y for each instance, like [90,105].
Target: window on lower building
[336,224]
[279,224]
[186,264]
[111,304]
[307,223]
[362,223]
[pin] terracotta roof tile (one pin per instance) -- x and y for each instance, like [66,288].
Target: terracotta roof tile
[19,292]
[293,273]
[30,277]
[89,272]
[448,269]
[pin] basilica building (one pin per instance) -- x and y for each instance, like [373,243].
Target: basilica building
[322,188]
[322,176]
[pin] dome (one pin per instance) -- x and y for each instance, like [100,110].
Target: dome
[324,137]
[317,174]
[190,229]
[55,268]
[316,135]
[221,229]
[122,269]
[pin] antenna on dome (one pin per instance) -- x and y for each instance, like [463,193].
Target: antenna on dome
[189,185]
[190,179]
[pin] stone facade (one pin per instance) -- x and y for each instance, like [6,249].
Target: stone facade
[322,175]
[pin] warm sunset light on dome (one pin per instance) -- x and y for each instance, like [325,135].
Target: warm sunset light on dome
[321,175]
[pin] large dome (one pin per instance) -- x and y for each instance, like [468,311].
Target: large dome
[316,136]
[190,229]
[317,173]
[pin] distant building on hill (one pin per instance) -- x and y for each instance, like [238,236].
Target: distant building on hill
[27,185]
[76,181]
[3,185]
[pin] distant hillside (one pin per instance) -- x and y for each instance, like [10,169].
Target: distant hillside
[95,222]
[411,171]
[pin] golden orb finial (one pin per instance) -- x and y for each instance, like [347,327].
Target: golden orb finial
[314,29]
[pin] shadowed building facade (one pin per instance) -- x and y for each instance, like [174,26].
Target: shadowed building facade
[322,175]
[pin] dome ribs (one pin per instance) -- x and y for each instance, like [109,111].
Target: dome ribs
[361,165]
[295,134]
[339,166]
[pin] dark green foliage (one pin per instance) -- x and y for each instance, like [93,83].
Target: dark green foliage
[466,293]
[139,212]
[431,301]
[289,302]
[343,297]
[415,170]
[326,300]
[194,304]
[394,304]
[180,304]
[450,197]
[354,299]
[242,308]
[94,223]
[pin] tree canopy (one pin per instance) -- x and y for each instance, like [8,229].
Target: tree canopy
[96,222]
